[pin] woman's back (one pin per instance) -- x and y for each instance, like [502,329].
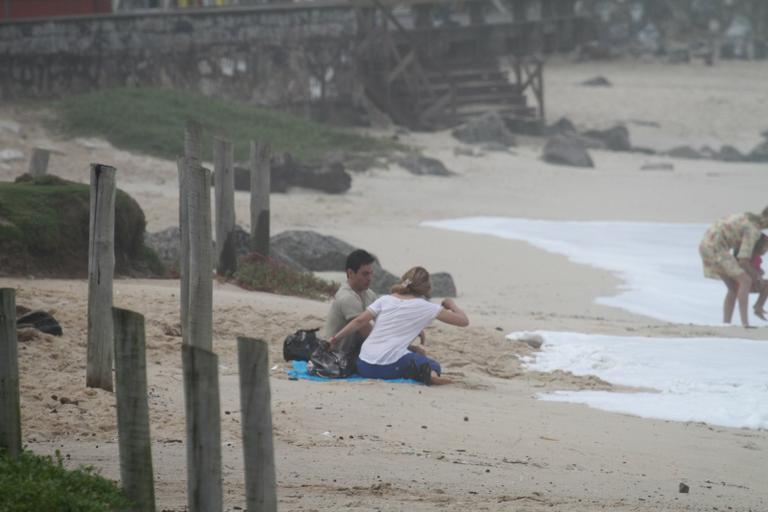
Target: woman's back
[398,321]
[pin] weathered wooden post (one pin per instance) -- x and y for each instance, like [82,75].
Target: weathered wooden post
[226,252]
[193,135]
[38,162]
[192,151]
[200,312]
[201,377]
[258,452]
[10,411]
[101,268]
[201,391]
[260,184]
[135,444]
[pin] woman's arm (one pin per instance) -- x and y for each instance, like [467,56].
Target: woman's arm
[355,324]
[452,314]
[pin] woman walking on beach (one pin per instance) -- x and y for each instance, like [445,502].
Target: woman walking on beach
[399,319]
[739,232]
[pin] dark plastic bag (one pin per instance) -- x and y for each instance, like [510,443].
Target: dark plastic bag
[300,345]
[325,362]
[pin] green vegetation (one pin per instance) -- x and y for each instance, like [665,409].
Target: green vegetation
[263,274]
[44,224]
[35,483]
[151,121]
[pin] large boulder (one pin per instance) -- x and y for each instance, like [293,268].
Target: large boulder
[422,165]
[166,244]
[565,150]
[443,285]
[597,81]
[562,126]
[489,127]
[759,153]
[685,152]
[615,139]
[287,172]
[730,154]
[323,253]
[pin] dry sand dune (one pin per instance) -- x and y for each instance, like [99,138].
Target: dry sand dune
[484,443]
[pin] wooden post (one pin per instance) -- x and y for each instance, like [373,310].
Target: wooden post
[226,252]
[38,162]
[193,135]
[181,165]
[260,186]
[10,411]
[135,444]
[192,151]
[255,406]
[200,294]
[101,268]
[201,393]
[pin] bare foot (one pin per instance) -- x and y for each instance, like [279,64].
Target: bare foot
[439,381]
[760,313]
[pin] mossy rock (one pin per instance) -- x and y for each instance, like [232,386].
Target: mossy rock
[44,223]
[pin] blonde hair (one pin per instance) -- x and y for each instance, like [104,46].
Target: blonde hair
[414,282]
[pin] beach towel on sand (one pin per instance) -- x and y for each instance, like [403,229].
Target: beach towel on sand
[299,371]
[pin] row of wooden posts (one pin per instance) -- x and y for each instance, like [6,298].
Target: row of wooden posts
[120,335]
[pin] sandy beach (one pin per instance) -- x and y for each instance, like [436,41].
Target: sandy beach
[486,442]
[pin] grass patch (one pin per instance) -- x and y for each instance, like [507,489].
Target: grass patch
[35,483]
[151,121]
[44,225]
[255,272]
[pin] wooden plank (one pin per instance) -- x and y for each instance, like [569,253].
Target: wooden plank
[10,409]
[438,107]
[401,67]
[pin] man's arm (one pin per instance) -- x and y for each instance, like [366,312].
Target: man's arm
[351,308]
[354,325]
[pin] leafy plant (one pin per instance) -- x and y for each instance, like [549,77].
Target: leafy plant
[255,272]
[35,483]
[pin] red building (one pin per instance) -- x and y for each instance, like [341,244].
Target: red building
[10,9]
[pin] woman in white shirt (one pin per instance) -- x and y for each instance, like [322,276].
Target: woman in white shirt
[399,319]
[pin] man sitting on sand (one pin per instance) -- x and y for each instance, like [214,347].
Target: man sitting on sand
[352,298]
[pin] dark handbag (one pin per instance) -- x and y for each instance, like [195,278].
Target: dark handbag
[325,362]
[300,345]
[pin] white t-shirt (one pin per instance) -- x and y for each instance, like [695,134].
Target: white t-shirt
[398,323]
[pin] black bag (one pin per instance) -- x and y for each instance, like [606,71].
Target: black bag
[324,362]
[300,345]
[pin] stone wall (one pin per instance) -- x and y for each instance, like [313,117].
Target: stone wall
[269,55]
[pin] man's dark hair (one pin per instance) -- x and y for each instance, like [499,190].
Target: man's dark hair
[357,259]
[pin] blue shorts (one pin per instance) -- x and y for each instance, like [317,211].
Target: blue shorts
[396,370]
